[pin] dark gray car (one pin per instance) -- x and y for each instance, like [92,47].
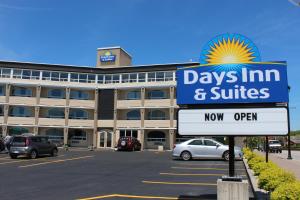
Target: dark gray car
[32,146]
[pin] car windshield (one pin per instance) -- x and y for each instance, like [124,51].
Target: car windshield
[274,142]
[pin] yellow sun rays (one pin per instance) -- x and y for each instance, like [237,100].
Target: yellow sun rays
[229,51]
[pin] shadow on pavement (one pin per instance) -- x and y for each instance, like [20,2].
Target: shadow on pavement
[200,197]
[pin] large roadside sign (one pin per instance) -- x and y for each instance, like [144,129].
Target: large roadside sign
[232,80]
[227,122]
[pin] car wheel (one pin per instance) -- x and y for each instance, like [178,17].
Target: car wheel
[186,155]
[226,155]
[33,154]
[13,156]
[54,152]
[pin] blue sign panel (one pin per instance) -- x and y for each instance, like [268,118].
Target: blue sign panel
[111,58]
[108,57]
[232,83]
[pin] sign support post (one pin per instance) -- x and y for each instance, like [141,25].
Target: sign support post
[267,149]
[231,156]
[289,135]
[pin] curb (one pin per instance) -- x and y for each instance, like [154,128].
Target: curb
[258,193]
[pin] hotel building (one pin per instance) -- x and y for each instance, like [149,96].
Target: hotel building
[91,106]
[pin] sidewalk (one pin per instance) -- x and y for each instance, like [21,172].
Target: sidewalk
[281,160]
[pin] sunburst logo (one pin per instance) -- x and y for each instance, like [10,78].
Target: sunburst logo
[229,49]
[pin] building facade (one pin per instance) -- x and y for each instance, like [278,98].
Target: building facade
[91,106]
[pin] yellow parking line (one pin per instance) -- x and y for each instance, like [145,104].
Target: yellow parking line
[203,168]
[27,160]
[200,164]
[179,183]
[128,196]
[55,161]
[178,174]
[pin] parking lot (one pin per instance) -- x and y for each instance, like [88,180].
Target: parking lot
[81,174]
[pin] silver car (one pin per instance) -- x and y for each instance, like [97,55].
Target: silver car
[203,148]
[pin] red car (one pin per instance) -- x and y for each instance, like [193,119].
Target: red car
[129,144]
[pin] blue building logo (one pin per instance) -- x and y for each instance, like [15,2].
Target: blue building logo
[107,57]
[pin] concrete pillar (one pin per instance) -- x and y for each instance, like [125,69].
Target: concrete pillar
[4,130]
[38,94]
[142,140]
[95,131]
[36,119]
[117,135]
[142,110]
[232,190]
[6,107]
[171,138]
[66,130]
[115,118]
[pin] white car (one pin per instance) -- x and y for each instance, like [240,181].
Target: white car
[203,148]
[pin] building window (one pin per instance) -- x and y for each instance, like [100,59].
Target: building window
[17,130]
[55,135]
[74,77]
[129,133]
[46,76]
[56,113]
[17,73]
[77,94]
[35,75]
[129,78]
[2,90]
[63,77]
[169,76]
[21,92]
[151,76]
[1,111]
[19,111]
[77,135]
[133,115]
[91,78]
[116,78]
[132,95]
[82,78]
[156,94]
[5,73]
[156,115]
[56,93]
[108,78]
[156,136]
[101,79]
[78,114]
[142,77]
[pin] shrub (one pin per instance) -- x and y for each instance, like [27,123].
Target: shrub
[248,154]
[272,177]
[255,160]
[261,166]
[289,191]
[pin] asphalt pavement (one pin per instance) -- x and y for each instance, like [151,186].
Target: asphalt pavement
[81,174]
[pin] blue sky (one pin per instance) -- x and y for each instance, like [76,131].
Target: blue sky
[152,31]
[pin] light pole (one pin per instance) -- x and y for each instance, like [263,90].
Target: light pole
[289,134]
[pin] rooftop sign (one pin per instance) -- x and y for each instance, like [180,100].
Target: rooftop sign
[108,57]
